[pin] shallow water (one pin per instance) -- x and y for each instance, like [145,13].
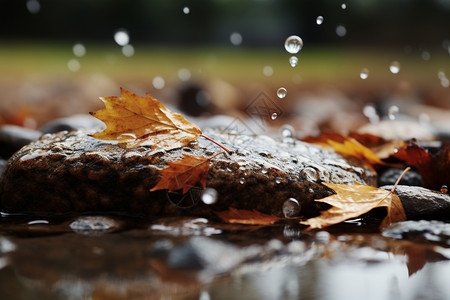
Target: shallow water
[104,257]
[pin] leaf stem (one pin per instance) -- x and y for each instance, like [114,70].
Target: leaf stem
[216,155]
[221,146]
[400,178]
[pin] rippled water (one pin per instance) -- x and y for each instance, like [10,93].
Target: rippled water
[104,257]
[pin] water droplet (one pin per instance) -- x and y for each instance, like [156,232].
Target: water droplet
[341,31]
[394,67]
[158,82]
[293,44]
[444,189]
[364,73]
[186,10]
[73,65]
[79,50]
[424,119]
[293,60]
[287,131]
[274,116]
[242,180]
[128,50]
[291,208]
[310,174]
[277,181]
[209,196]
[281,93]
[268,71]
[121,37]
[126,136]
[319,20]
[34,222]
[371,113]
[322,237]
[426,55]
[441,75]
[344,6]
[392,112]
[184,74]
[33,6]
[236,38]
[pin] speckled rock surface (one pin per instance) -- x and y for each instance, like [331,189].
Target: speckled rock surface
[70,172]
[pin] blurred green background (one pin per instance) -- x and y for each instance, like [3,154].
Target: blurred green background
[57,57]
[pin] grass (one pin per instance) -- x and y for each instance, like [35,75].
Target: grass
[233,64]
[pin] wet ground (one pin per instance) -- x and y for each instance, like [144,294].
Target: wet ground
[105,257]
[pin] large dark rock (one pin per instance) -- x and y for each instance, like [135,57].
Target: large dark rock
[70,172]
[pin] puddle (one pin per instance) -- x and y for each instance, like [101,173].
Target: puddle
[105,257]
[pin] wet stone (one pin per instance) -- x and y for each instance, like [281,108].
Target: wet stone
[421,203]
[70,172]
[71,123]
[390,176]
[433,231]
[94,224]
[12,138]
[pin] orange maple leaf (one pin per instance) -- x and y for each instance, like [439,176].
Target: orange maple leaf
[351,201]
[243,216]
[138,121]
[184,173]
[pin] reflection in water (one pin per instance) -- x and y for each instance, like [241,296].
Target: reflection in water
[135,261]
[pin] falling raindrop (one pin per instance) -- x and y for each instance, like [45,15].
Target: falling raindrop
[268,71]
[186,10]
[392,112]
[209,196]
[344,6]
[341,31]
[236,38]
[121,37]
[33,6]
[371,113]
[293,60]
[128,50]
[291,208]
[79,50]
[364,73]
[394,67]
[73,65]
[281,93]
[184,74]
[158,82]
[319,20]
[274,116]
[293,44]
[287,131]
[426,55]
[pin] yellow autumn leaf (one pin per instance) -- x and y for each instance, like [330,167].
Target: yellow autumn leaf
[351,201]
[352,147]
[138,121]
